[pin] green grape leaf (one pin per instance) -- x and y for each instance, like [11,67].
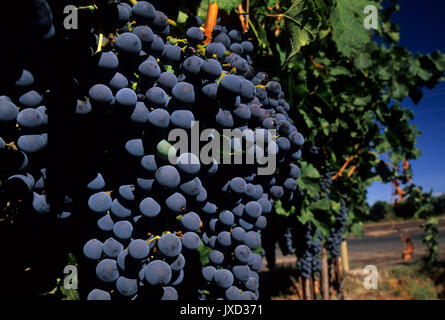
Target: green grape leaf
[309,171]
[272,3]
[182,17]
[204,252]
[340,71]
[363,61]
[348,30]
[322,205]
[306,215]
[69,294]
[399,91]
[227,5]
[438,59]
[303,24]
[283,212]
[322,227]
[336,206]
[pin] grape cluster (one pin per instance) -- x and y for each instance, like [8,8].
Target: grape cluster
[146,220]
[333,242]
[326,182]
[310,261]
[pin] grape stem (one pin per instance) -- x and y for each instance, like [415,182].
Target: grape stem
[212,15]
[11,145]
[242,18]
[99,43]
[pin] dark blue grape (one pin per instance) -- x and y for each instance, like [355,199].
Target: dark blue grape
[184,92]
[106,270]
[255,262]
[223,278]
[123,230]
[112,248]
[216,257]
[150,69]
[237,185]
[169,245]
[145,34]
[159,118]
[170,293]
[167,81]
[241,273]
[100,93]
[226,217]
[168,176]
[171,54]
[99,202]
[223,39]
[191,221]
[127,287]
[243,253]
[215,48]
[31,99]
[135,147]
[29,118]
[93,249]
[252,240]
[178,264]
[105,223]
[176,202]
[208,272]
[156,97]
[253,209]
[232,293]
[231,83]
[157,273]
[98,294]
[143,11]
[191,240]
[182,119]
[188,163]
[211,69]
[194,34]
[149,207]
[128,42]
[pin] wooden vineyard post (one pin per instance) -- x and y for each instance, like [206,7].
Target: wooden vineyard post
[307,289]
[324,274]
[300,287]
[332,278]
[340,275]
[344,256]
[314,286]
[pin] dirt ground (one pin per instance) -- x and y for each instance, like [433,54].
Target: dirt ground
[381,246]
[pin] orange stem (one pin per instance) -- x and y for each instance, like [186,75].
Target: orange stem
[352,170]
[242,19]
[212,15]
[340,172]
[405,165]
[315,64]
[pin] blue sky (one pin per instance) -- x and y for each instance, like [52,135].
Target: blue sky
[422,29]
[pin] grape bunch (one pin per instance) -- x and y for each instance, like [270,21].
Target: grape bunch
[310,261]
[138,221]
[326,182]
[333,242]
